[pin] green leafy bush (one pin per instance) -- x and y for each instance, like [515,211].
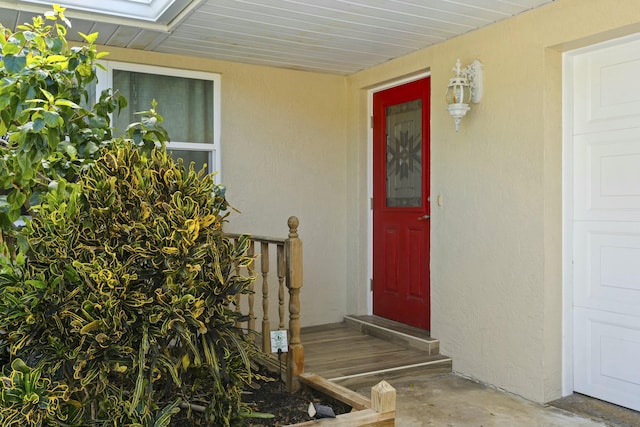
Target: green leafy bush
[126,295]
[48,130]
[120,312]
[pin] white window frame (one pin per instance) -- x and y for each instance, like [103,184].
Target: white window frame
[105,81]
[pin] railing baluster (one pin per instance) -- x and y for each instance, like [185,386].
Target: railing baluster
[281,275]
[251,270]
[266,323]
[238,296]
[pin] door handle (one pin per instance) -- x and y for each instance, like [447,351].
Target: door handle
[423,217]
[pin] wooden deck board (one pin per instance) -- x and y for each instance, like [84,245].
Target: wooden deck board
[337,351]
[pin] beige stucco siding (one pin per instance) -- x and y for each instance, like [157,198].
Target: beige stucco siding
[283,153]
[496,254]
[297,143]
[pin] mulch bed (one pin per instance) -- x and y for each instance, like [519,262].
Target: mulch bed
[288,408]
[267,395]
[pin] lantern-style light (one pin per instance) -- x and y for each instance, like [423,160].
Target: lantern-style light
[464,88]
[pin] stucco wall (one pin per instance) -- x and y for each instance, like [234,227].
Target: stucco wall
[496,245]
[296,143]
[283,154]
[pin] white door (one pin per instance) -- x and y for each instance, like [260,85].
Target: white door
[605,221]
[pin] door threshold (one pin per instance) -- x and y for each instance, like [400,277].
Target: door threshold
[395,332]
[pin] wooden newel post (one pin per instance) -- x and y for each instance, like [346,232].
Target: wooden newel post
[383,401]
[383,397]
[295,356]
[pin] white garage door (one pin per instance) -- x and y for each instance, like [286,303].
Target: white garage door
[605,223]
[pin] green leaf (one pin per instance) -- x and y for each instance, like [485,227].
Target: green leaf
[20,366]
[67,103]
[5,221]
[14,64]
[71,150]
[91,38]
[97,122]
[53,137]
[10,49]
[16,198]
[90,149]
[26,169]
[38,124]
[164,417]
[38,284]
[122,102]
[55,58]
[73,63]
[52,119]
[136,135]
[5,99]
[41,44]
[62,31]
[14,214]
[48,95]
[84,69]
[29,35]
[56,45]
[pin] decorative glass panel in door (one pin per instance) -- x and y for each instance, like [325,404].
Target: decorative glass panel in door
[404,154]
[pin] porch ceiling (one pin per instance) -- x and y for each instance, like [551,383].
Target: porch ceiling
[327,36]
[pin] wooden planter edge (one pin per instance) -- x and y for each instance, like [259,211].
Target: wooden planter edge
[379,411]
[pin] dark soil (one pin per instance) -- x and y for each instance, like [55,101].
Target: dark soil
[267,395]
[288,408]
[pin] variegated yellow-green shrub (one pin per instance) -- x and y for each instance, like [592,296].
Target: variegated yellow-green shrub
[28,398]
[125,299]
[116,310]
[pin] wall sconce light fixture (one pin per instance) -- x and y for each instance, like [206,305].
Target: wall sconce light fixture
[464,88]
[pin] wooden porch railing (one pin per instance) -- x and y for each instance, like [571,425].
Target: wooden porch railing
[288,272]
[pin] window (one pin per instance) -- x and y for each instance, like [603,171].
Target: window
[189,102]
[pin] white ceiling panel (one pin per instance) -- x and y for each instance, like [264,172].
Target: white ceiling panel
[328,36]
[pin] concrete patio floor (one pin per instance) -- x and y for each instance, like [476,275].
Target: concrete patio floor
[453,401]
[363,350]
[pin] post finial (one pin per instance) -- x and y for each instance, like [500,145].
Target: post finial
[293,222]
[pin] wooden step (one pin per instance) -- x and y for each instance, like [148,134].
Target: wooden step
[359,353]
[395,332]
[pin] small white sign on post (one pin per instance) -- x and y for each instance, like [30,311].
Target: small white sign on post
[279,341]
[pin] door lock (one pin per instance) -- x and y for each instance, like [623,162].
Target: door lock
[423,217]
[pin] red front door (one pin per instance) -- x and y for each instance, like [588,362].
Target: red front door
[401,290]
